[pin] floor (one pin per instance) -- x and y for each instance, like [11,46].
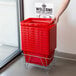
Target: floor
[17,68]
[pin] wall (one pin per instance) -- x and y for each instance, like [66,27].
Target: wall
[8,23]
[66,28]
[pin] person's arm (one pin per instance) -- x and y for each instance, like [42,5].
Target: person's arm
[61,10]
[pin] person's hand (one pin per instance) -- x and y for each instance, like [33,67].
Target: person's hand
[55,20]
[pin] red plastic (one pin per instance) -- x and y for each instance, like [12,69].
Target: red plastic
[38,37]
[38,61]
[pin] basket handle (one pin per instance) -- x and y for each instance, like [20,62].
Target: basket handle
[49,17]
[52,22]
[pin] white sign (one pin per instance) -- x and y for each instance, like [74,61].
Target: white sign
[44,10]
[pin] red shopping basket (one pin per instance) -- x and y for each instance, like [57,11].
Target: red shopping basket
[38,37]
[39,59]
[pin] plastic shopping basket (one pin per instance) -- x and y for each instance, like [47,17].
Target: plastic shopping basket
[38,39]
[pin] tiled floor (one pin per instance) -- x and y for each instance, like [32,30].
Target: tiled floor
[17,68]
